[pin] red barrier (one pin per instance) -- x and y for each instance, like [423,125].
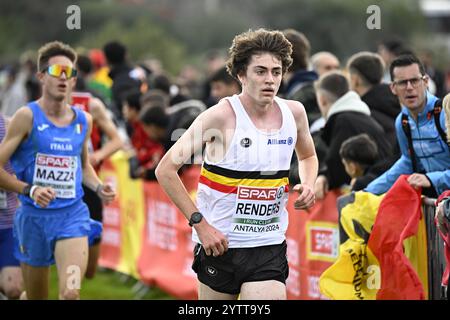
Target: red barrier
[313,242]
[167,250]
[110,249]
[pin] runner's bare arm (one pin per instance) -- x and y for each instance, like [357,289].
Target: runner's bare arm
[90,178]
[307,159]
[18,129]
[106,125]
[189,143]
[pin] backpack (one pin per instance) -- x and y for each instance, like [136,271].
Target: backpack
[407,129]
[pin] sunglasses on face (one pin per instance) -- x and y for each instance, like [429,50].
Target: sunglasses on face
[56,70]
[402,84]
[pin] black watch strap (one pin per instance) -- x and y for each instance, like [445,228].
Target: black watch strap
[196,217]
[26,190]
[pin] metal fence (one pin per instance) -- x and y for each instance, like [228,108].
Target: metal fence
[435,250]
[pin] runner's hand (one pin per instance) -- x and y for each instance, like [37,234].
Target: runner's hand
[321,187]
[43,196]
[213,241]
[106,193]
[306,198]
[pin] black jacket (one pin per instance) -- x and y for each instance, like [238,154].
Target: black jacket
[340,127]
[122,83]
[384,108]
[373,172]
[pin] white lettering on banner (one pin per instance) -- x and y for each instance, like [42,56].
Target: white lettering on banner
[323,241]
[111,216]
[163,237]
[313,288]
[111,237]
[58,172]
[292,252]
[258,209]
[165,213]
[162,221]
[293,281]
[3,200]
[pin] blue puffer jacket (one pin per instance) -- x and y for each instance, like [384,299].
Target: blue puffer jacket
[431,151]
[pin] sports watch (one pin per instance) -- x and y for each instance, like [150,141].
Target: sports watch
[196,217]
[26,190]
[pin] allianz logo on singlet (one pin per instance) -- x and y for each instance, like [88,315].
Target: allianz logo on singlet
[287,141]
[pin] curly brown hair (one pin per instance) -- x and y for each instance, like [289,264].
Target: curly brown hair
[246,44]
[52,49]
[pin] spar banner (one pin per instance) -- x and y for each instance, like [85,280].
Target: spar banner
[167,250]
[313,242]
[110,248]
[123,219]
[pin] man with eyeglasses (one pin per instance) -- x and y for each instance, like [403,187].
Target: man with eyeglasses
[47,142]
[425,156]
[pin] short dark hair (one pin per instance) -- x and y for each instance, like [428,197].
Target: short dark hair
[161,82]
[115,52]
[155,97]
[361,149]
[394,45]
[133,99]
[404,61]
[53,49]
[301,49]
[246,44]
[368,65]
[334,83]
[222,75]
[155,115]
[84,64]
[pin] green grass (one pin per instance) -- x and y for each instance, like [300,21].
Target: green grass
[108,285]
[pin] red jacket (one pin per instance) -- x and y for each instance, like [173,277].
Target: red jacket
[148,151]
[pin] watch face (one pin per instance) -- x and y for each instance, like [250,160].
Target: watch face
[196,217]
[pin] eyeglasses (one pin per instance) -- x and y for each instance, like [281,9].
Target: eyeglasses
[402,84]
[56,70]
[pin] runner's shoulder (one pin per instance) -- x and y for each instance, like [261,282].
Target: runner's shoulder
[23,116]
[219,115]
[296,107]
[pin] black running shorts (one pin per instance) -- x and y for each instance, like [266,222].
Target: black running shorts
[228,272]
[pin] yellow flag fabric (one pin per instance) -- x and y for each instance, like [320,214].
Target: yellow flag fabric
[365,269]
[131,214]
[356,273]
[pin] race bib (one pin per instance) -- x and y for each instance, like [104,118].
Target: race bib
[258,209]
[3,200]
[58,172]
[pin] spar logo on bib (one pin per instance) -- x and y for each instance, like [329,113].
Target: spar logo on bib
[258,209]
[58,172]
[55,161]
[249,193]
[322,240]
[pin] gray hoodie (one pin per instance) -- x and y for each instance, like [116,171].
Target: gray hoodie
[349,102]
